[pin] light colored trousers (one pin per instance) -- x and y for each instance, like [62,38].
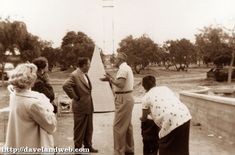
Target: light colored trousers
[122,127]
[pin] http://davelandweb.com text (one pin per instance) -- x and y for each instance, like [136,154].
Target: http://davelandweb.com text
[42,150]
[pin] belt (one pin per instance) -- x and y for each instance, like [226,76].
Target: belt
[123,92]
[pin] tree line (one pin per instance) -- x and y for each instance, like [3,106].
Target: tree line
[212,45]
[15,40]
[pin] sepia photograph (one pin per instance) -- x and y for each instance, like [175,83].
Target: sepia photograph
[117,77]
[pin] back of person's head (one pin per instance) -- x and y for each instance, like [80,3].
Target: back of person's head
[23,76]
[149,82]
[122,56]
[82,61]
[40,62]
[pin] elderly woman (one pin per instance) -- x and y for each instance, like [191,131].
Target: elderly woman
[31,118]
[170,115]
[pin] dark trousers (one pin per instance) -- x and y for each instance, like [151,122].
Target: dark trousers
[149,131]
[176,142]
[83,130]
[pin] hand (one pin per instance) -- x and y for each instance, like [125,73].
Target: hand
[104,79]
[107,74]
[107,77]
[143,119]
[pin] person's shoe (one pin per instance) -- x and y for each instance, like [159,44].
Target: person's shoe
[92,150]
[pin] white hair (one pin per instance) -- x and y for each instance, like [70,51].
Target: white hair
[23,76]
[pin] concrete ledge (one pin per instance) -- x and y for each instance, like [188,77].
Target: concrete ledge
[215,113]
[220,99]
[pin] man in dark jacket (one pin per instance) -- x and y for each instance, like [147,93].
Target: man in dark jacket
[78,88]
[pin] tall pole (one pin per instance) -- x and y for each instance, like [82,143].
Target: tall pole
[113,31]
[104,34]
[106,5]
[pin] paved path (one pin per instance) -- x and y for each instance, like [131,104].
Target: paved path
[200,142]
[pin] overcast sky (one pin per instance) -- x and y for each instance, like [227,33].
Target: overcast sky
[159,19]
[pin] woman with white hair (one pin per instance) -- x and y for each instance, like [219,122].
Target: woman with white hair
[31,118]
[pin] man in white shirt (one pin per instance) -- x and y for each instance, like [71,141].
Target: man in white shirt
[124,102]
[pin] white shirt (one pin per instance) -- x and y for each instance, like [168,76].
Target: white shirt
[125,72]
[84,75]
[167,111]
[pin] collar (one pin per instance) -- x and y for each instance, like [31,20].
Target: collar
[43,77]
[79,70]
[26,93]
[123,64]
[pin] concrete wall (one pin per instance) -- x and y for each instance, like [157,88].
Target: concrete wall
[215,113]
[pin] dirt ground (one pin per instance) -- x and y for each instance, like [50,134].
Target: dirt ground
[202,142]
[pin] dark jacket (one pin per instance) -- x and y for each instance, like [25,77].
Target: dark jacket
[79,91]
[42,85]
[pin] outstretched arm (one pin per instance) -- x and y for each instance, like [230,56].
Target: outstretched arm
[120,82]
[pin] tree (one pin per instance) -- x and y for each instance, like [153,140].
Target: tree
[15,40]
[230,71]
[211,43]
[181,53]
[199,47]
[75,45]
[11,34]
[30,48]
[128,46]
[140,51]
[232,46]
[164,55]
[223,60]
[149,50]
[52,54]
[14,35]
